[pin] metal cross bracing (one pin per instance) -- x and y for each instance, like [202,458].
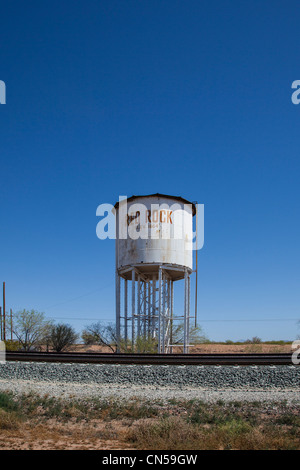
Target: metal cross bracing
[145,309]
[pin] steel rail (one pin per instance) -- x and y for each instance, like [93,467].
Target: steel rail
[153,359]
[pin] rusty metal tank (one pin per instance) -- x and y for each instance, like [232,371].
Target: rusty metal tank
[154,230]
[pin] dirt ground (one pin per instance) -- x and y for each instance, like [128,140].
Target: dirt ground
[54,435]
[174,426]
[207,348]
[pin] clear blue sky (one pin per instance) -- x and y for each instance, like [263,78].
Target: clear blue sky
[109,98]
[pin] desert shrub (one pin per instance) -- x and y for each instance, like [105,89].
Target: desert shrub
[12,345]
[8,420]
[7,403]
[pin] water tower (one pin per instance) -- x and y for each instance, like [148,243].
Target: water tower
[154,236]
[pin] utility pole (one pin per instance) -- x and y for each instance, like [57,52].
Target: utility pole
[11,325]
[4,326]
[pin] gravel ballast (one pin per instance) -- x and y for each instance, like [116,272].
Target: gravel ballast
[208,383]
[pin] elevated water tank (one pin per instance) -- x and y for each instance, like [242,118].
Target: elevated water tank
[155,230]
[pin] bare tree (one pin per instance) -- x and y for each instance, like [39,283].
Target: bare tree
[30,328]
[104,335]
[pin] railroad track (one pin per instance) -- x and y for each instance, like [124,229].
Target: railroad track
[153,359]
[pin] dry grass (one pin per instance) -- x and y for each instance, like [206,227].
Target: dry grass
[34,422]
[8,421]
[174,433]
[55,435]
